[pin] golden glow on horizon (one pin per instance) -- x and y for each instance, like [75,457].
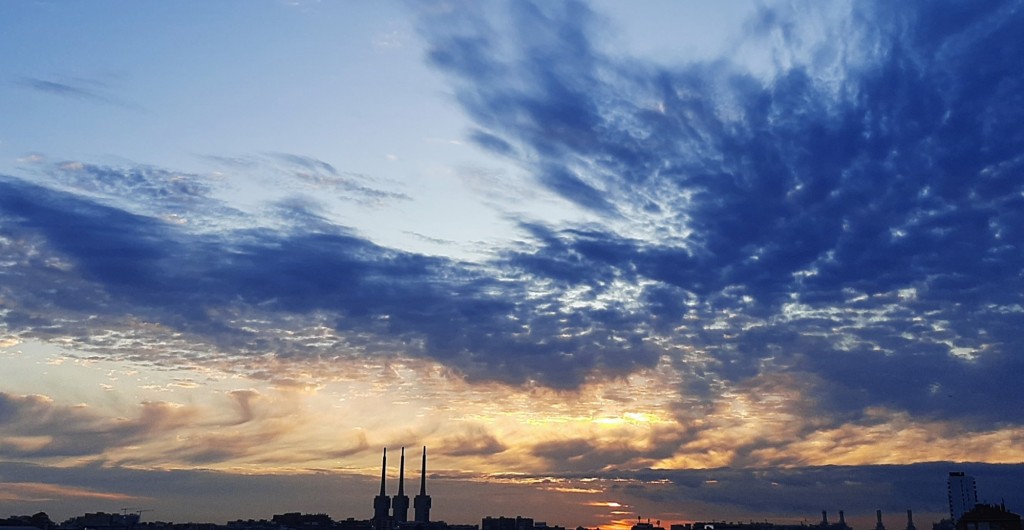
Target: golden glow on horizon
[336,414]
[619,524]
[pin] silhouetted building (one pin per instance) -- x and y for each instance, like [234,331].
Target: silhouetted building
[298,520]
[910,520]
[353,524]
[382,503]
[878,523]
[963,494]
[763,525]
[400,502]
[506,523]
[646,525]
[40,520]
[752,525]
[825,525]
[239,524]
[421,503]
[989,517]
[103,521]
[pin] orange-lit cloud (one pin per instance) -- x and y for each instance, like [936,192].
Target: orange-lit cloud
[37,492]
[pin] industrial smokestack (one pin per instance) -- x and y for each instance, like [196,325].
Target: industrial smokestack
[400,503]
[382,503]
[421,503]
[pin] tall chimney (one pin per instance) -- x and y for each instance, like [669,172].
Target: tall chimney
[381,503]
[421,503]
[878,516]
[400,503]
[910,520]
[842,519]
[824,518]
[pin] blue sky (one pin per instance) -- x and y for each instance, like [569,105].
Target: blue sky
[654,259]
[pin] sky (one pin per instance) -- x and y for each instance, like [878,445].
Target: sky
[605,260]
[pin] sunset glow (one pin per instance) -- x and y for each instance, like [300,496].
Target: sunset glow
[608,261]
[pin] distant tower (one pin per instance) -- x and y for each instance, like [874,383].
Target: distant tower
[879,525]
[842,519]
[381,503]
[824,518]
[400,502]
[421,503]
[963,494]
[910,520]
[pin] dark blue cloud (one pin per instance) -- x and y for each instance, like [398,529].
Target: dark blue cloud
[196,282]
[863,227]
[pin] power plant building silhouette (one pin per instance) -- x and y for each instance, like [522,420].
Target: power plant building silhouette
[390,513]
[422,501]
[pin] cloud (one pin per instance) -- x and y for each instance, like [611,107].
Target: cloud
[475,441]
[42,492]
[307,162]
[199,282]
[856,228]
[80,89]
[313,177]
[244,399]
[37,427]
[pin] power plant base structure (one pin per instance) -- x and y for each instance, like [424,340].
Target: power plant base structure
[393,512]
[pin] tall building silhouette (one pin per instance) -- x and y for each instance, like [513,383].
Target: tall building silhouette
[879,525]
[963,494]
[382,503]
[400,502]
[421,503]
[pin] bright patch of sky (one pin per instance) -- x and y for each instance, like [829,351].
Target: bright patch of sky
[213,88]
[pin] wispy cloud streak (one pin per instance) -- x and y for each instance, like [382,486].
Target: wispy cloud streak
[74,89]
